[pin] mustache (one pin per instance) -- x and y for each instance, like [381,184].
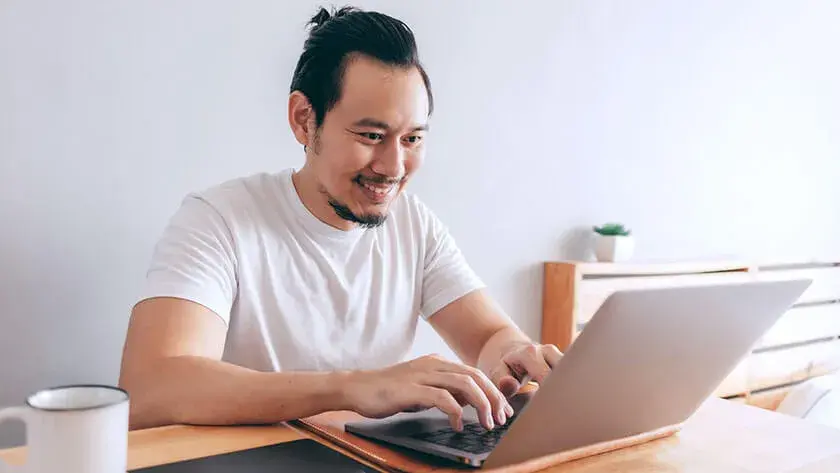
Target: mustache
[377,180]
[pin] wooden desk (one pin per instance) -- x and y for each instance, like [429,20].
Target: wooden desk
[722,437]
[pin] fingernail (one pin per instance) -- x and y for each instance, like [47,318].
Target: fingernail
[509,410]
[459,425]
[502,417]
[490,423]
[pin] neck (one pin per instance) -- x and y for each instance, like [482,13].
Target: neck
[316,201]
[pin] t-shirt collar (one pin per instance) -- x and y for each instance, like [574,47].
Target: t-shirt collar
[307,219]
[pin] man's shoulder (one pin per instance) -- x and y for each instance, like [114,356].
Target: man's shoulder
[409,213]
[252,185]
[241,193]
[410,206]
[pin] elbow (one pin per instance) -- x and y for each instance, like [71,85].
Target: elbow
[146,408]
[138,413]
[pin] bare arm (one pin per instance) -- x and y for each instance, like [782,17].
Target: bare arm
[172,370]
[476,329]
[479,333]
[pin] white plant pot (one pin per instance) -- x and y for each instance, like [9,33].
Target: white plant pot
[613,248]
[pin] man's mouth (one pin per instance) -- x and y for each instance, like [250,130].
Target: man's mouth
[376,191]
[379,189]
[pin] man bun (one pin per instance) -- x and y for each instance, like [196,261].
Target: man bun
[324,16]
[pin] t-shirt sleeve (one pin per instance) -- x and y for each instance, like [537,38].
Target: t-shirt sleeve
[446,275]
[194,259]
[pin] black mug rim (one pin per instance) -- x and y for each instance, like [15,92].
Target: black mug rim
[77,409]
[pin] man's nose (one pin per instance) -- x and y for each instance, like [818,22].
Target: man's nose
[390,161]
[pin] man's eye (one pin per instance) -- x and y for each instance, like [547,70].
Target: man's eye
[372,136]
[413,139]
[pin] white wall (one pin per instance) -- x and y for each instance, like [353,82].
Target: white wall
[709,127]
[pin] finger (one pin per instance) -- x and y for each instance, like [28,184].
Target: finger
[464,386]
[443,400]
[509,386]
[507,382]
[531,362]
[499,405]
[551,355]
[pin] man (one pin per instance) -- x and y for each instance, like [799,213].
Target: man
[279,296]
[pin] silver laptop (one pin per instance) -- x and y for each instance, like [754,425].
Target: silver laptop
[646,360]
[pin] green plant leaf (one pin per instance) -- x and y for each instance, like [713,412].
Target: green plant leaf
[612,229]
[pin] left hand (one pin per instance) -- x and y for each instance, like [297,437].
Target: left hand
[523,363]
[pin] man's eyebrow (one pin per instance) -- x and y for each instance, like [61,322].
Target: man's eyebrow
[374,123]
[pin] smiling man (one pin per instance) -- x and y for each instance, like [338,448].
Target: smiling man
[279,296]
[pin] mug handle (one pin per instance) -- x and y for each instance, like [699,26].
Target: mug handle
[21,413]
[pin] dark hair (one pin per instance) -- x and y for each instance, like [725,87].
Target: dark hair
[334,38]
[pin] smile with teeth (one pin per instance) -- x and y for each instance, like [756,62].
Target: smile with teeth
[379,190]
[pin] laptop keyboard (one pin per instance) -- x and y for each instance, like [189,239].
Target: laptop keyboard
[474,438]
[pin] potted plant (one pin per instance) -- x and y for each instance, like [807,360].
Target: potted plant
[613,242]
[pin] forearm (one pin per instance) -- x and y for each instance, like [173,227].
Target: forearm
[498,344]
[196,390]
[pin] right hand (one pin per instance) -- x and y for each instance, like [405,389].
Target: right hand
[423,383]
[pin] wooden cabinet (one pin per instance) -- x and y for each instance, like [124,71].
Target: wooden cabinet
[804,343]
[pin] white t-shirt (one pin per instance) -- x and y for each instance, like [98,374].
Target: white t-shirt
[298,294]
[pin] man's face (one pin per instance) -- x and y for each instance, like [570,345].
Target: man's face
[371,142]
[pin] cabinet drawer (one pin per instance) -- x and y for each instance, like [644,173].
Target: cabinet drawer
[593,292]
[803,324]
[788,365]
[825,285]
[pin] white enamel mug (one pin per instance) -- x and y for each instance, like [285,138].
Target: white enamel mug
[73,429]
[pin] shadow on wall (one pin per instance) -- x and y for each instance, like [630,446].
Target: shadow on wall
[56,327]
[35,320]
[525,289]
[526,284]
[576,245]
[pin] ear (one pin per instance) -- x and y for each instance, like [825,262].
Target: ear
[301,117]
